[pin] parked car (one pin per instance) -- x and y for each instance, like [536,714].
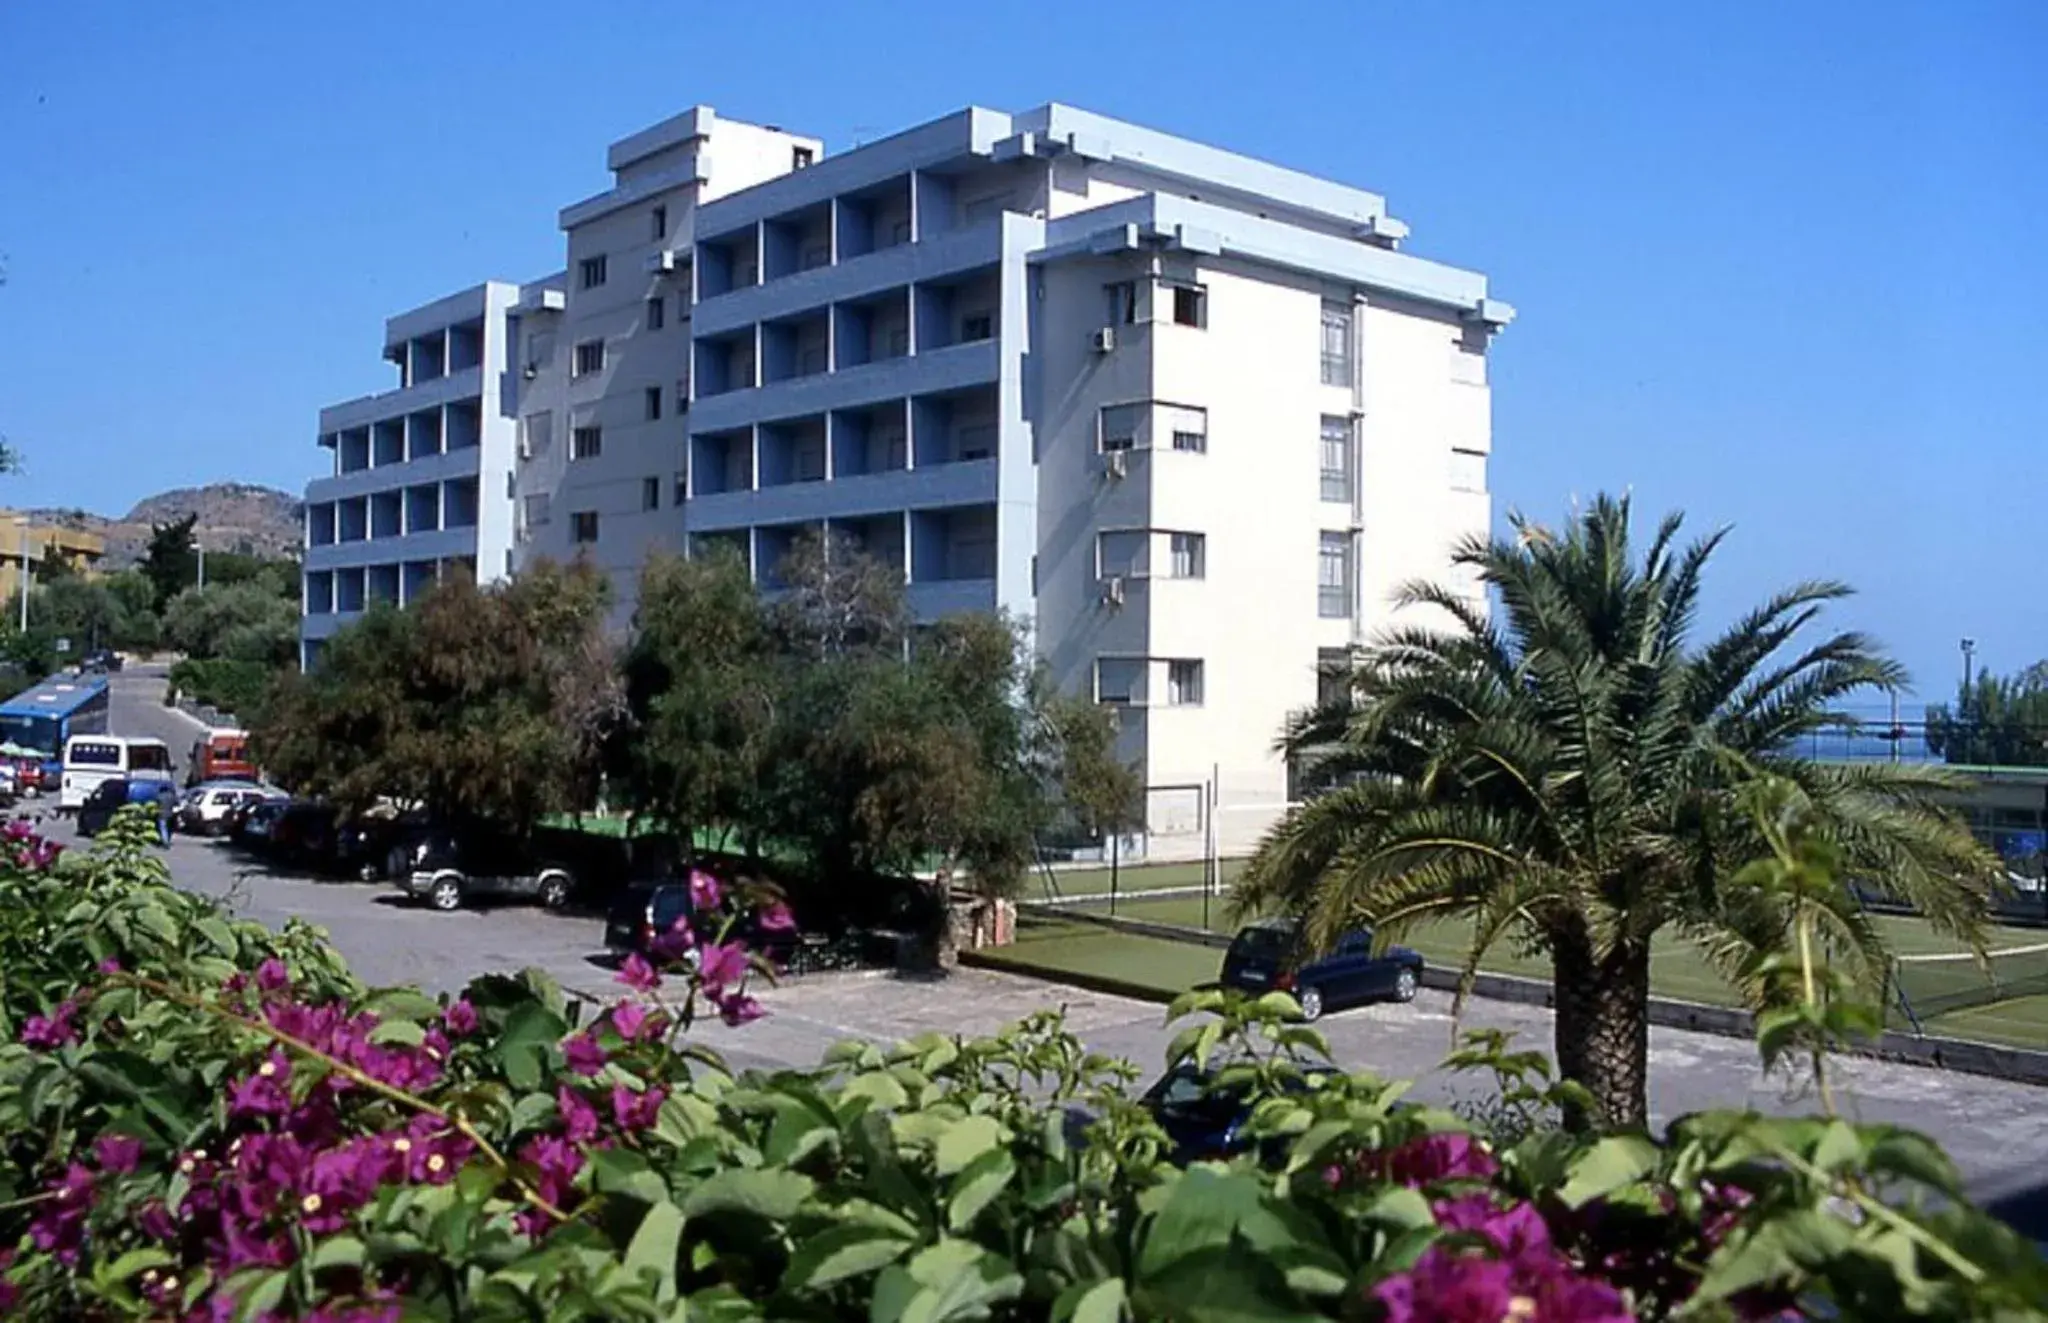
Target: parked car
[111,796]
[28,775]
[248,825]
[10,786]
[1266,956]
[103,660]
[445,867]
[305,835]
[1203,1121]
[369,845]
[643,911]
[204,809]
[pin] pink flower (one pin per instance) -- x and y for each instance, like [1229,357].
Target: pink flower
[59,1225]
[1451,1155]
[720,965]
[632,1019]
[737,1008]
[9,1294]
[1448,1288]
[706,891]
[673,945]
[635,1111]
[555,1163]
[272,976]
[262,1093]
[460,1018]
[583,1053]
[118,1154]
[776,918]
[109,966]
[55,1030]
[579,1118]
[1519,1232]
[638,975]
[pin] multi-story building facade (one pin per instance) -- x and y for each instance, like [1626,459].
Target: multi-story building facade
[422,472]
[1193,415]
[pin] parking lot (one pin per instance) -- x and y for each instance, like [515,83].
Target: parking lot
[1991,1127]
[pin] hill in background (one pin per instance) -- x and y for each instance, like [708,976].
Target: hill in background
[233,516]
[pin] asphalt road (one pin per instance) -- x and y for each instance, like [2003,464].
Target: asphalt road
[1992,1128]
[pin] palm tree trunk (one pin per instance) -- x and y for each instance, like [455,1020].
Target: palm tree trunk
[1603,1027]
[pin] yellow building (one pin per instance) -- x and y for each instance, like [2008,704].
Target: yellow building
[78,548]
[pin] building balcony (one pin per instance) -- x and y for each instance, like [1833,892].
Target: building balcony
[854,497]
[952,368]
[361,412]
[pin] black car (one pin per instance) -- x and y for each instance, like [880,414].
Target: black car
[643,911]
[1266,956]
[445,867]
[1206,1122]
[305,835]
[249,825]
[103,660]
[116,793]
[367,846]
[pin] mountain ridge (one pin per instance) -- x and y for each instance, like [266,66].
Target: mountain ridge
[232,516]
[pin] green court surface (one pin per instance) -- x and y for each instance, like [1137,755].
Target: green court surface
[1677,971]
[1130,878]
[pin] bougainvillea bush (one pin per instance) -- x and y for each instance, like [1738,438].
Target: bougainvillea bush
[200,1119]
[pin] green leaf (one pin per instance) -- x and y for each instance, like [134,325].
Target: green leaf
[402,1004]
[953,1279]
[839,1252]
[980,1182]
[775,1195]
[133,1262]
[621,1171]
[531,1030]
[403,1032]
[267,1294]
[1102,1302]
[1202,1211]
[1222,1284]
[653,1248]
[1611,1163]
[532,1111]
[1400,1207]
[338,1252]
[967,1139]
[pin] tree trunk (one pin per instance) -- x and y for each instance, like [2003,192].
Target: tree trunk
[1603,1027]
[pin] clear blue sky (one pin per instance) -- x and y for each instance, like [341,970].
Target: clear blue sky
[1779,265]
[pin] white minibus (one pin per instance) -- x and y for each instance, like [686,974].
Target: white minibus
[91,759]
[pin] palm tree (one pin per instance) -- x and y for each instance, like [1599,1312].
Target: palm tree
[1564,772]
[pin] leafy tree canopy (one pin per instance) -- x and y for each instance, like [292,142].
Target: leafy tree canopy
[171,560]
[243,621]
[1997,719]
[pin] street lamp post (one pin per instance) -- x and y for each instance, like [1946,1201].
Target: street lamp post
[1963,709]
[22,580]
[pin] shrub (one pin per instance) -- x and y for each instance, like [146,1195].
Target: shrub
[200,1119]
[232,686]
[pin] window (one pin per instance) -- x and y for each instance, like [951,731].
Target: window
[652,396]
[589,357]
[1183,683]
[1333,675]
[1336,458]
[657,314]
[1123,302]
[650,493]
[1337,344]
[899,233]
[801,157]
[1188,427]
[1121,552]
[1468,471]
[816,255]
[977,441]
[583,527]
[658,222]
[1190,305]
[537,511]
[1119,426]
[681,488]
[1119,680]
[1333,577]
[899,341]
[591,271]
[1188,554]
[586,443]
[977,326]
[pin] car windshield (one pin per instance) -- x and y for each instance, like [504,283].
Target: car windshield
[149,758]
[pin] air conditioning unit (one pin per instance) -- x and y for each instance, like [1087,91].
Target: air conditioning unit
[1103,339]
[1113,590]
[525,449]
[530,371]
[663,263]
[1117,464]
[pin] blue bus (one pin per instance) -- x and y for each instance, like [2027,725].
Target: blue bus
[45,715]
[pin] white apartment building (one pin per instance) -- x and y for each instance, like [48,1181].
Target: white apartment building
[1193,415]
[421,473]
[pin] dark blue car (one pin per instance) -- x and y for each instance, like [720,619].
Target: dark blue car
[1266,956]
[1206,1122]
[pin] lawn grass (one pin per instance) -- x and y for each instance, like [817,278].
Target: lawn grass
[1130,878]
[1051,947]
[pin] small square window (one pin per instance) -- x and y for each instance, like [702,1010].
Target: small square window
[801,157]
[1190,305]
[586,443]
[650,493]
[977,326]
[1118,426]
[652,396]
[592,272]
[1188,554]
[583,527]
[681,489]
[1122,298]
[589,357]
[1183,683]
[657,313]
[658,222]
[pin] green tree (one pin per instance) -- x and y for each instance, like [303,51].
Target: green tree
[136,596]
[245,621]
[480,704]
[171,560]
[1565,774]
[1997,719]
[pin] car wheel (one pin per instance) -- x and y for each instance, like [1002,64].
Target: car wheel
[1405,984]
[446,895]
[1311,1000]
[554,891]
[367,871]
